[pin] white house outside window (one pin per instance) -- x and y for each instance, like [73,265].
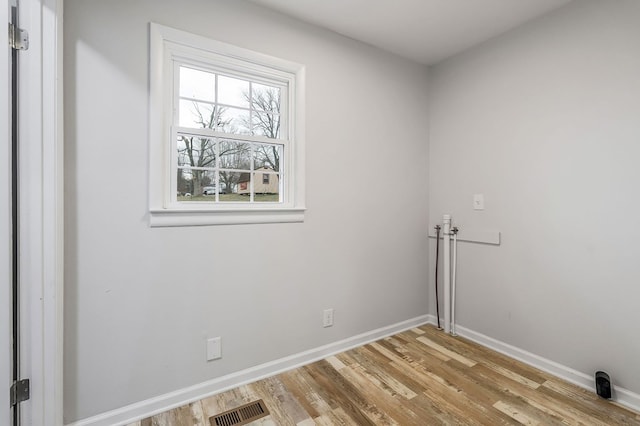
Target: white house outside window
[226,133]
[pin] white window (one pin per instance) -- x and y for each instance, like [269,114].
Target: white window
[221,119]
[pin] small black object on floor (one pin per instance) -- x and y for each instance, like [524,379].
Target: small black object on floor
[603,385]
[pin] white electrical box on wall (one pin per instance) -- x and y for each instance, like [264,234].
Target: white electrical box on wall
[214,348]
[478,201]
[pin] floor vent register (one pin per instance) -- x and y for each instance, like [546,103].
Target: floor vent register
[241,415]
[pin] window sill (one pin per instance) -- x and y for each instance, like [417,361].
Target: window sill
[199,217]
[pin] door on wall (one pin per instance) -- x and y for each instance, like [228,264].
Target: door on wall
[15,389]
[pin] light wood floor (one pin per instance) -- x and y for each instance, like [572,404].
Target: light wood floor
[419,377]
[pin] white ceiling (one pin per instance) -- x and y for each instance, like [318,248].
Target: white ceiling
[426,31]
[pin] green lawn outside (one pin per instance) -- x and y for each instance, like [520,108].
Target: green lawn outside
[265,198]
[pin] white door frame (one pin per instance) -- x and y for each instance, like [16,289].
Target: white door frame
[41,202]
[41,222]
[5,223]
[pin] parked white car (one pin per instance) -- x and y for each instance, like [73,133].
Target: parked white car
[211,190]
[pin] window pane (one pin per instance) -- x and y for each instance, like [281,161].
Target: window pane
[266,186]
[267,156]
[195,151]
[198,115]
[235,155]
[265,98]
[196,185]
[232,184]
[232,91]
[197,84]
[266,125]
[234,120]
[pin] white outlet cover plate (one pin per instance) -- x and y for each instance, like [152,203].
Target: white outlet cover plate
[214,348]
[478,201]
[327,319]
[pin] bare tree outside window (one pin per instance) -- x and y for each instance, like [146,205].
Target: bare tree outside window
[265,101]
[194,151]
[199,152]
[214,165]
[233,155]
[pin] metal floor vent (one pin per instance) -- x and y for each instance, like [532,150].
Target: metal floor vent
[241,415]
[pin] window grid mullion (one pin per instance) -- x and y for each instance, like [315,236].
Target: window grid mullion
[219,104]
[210,133]
[215,100]
[216,178]
[251,174]
[206,169]
[173,195]
[251,109]
[175,117]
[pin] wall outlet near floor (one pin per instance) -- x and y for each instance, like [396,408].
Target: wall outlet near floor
[327,317]
[214,348]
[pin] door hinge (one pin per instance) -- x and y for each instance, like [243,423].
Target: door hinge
[19,392]
[18,38]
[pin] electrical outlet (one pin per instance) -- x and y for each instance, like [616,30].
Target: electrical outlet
[327,317]
[214,348]
[478,201]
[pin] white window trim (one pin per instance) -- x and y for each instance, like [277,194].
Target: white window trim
[162,212]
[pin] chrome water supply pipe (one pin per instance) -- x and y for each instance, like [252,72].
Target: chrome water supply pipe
[446,232]
[436,285]
[454,264]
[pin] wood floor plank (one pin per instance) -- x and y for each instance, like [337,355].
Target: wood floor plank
[418,377]
[336,363]
[431,412]
[437,372]
[512,375]
[373,355]
[466,361]
[420,353]
[379,397]
[599,409]
[282,406]
[452,411]
[352,399]
[473,350]
[378,376]
[566,411]
[451,383]
[340,417]
[301,390]
[515,414]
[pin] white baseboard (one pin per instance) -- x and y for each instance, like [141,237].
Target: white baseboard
[620,395]
[149,407]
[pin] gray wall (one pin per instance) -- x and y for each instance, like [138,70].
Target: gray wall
[545,122]
[139,302]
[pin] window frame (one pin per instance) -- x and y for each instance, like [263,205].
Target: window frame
[170,48]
